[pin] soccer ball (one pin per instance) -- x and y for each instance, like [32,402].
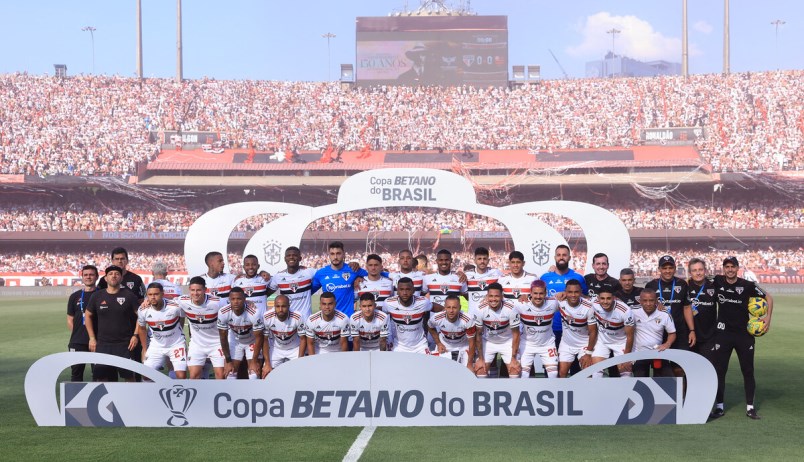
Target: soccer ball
[755,327]
[757,307]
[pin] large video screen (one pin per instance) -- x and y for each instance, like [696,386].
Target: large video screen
[432,50]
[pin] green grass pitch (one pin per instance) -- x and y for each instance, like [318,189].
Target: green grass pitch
[33,328]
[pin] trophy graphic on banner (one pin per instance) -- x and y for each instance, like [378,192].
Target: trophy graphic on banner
[177,399]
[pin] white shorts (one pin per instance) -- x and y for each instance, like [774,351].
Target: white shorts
[239,351]
[458,355]
[568,354]
[604,350]
[546,353]
[177,354]
[279,356]
[491,349]
[198,355]
[421,348]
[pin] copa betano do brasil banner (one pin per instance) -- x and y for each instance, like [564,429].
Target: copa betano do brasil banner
[370,388]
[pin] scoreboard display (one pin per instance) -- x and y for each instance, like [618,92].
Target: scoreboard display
[432,50]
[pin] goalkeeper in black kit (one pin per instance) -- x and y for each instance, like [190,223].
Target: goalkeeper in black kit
[733,294]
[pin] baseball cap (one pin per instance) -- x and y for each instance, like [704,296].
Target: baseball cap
[114,268]
[667,260]
[731,259]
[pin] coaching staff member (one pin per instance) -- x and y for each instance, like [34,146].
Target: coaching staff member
[76,311]
[732,295]
[131,281]
[113,311]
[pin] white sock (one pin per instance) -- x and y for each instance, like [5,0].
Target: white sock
[524,374]
[626,374]
[552,374]
[749,407]
[252,375]
[598,375]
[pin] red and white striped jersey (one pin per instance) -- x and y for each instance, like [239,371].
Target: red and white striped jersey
[406,322]
[453,334]
[536,322]
[575,321]
[381,289]
[256,290]
[327,334]
[283,335]
[611,324]
[416,276]
[496,324]
[219,286]
[242,327]
[296,287]
[369,332]
[170,289]
[203,320]
[476,284]
[440,285]
[513,287]
[164,323]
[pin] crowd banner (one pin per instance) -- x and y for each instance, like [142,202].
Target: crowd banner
[370,388]
[408,187]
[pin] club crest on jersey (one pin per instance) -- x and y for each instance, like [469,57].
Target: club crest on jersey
[516,292]
[444,288]
[710,292]
[294,286]
[541,253]
[678,290]
[346,276]
[482,285]
[248,291]
[407,319]
[121,300]
[375,294]
[272,251]
[739,290]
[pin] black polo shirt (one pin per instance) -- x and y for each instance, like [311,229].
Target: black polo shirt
[115,316]
[76,305]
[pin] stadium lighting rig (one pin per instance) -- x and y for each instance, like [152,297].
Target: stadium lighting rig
[91,31]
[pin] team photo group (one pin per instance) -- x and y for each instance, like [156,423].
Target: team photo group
[497,323]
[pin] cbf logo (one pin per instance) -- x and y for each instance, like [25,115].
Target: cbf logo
[178,400]
[541,253]
[273,252]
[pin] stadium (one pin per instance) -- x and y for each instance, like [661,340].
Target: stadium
[694,165]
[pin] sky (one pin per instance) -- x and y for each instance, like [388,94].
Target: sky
[282,40]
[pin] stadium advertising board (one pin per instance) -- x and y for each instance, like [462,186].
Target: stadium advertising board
[672,135]
[365,388]
[432,50]
[409,187]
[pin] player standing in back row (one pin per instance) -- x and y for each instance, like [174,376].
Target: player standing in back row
[478,280]
[733,294]
[295,283]
[443,282]
[516,284]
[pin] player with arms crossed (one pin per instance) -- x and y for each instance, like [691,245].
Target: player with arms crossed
[166,321]
[407,321]
[498,331]
[328,330]
[282,329]
[369,326]
[201,310]
[454,333]
[733,294]
[651,325]
[240,329]
[579,328]
[536,317]
[615,327]
[295,283]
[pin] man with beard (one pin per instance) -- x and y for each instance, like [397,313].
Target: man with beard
[408,268]
[479,278]
[443,282]
[556,282]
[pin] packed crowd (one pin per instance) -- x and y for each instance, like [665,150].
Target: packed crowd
[83,216]
[100,125]
[781,261]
